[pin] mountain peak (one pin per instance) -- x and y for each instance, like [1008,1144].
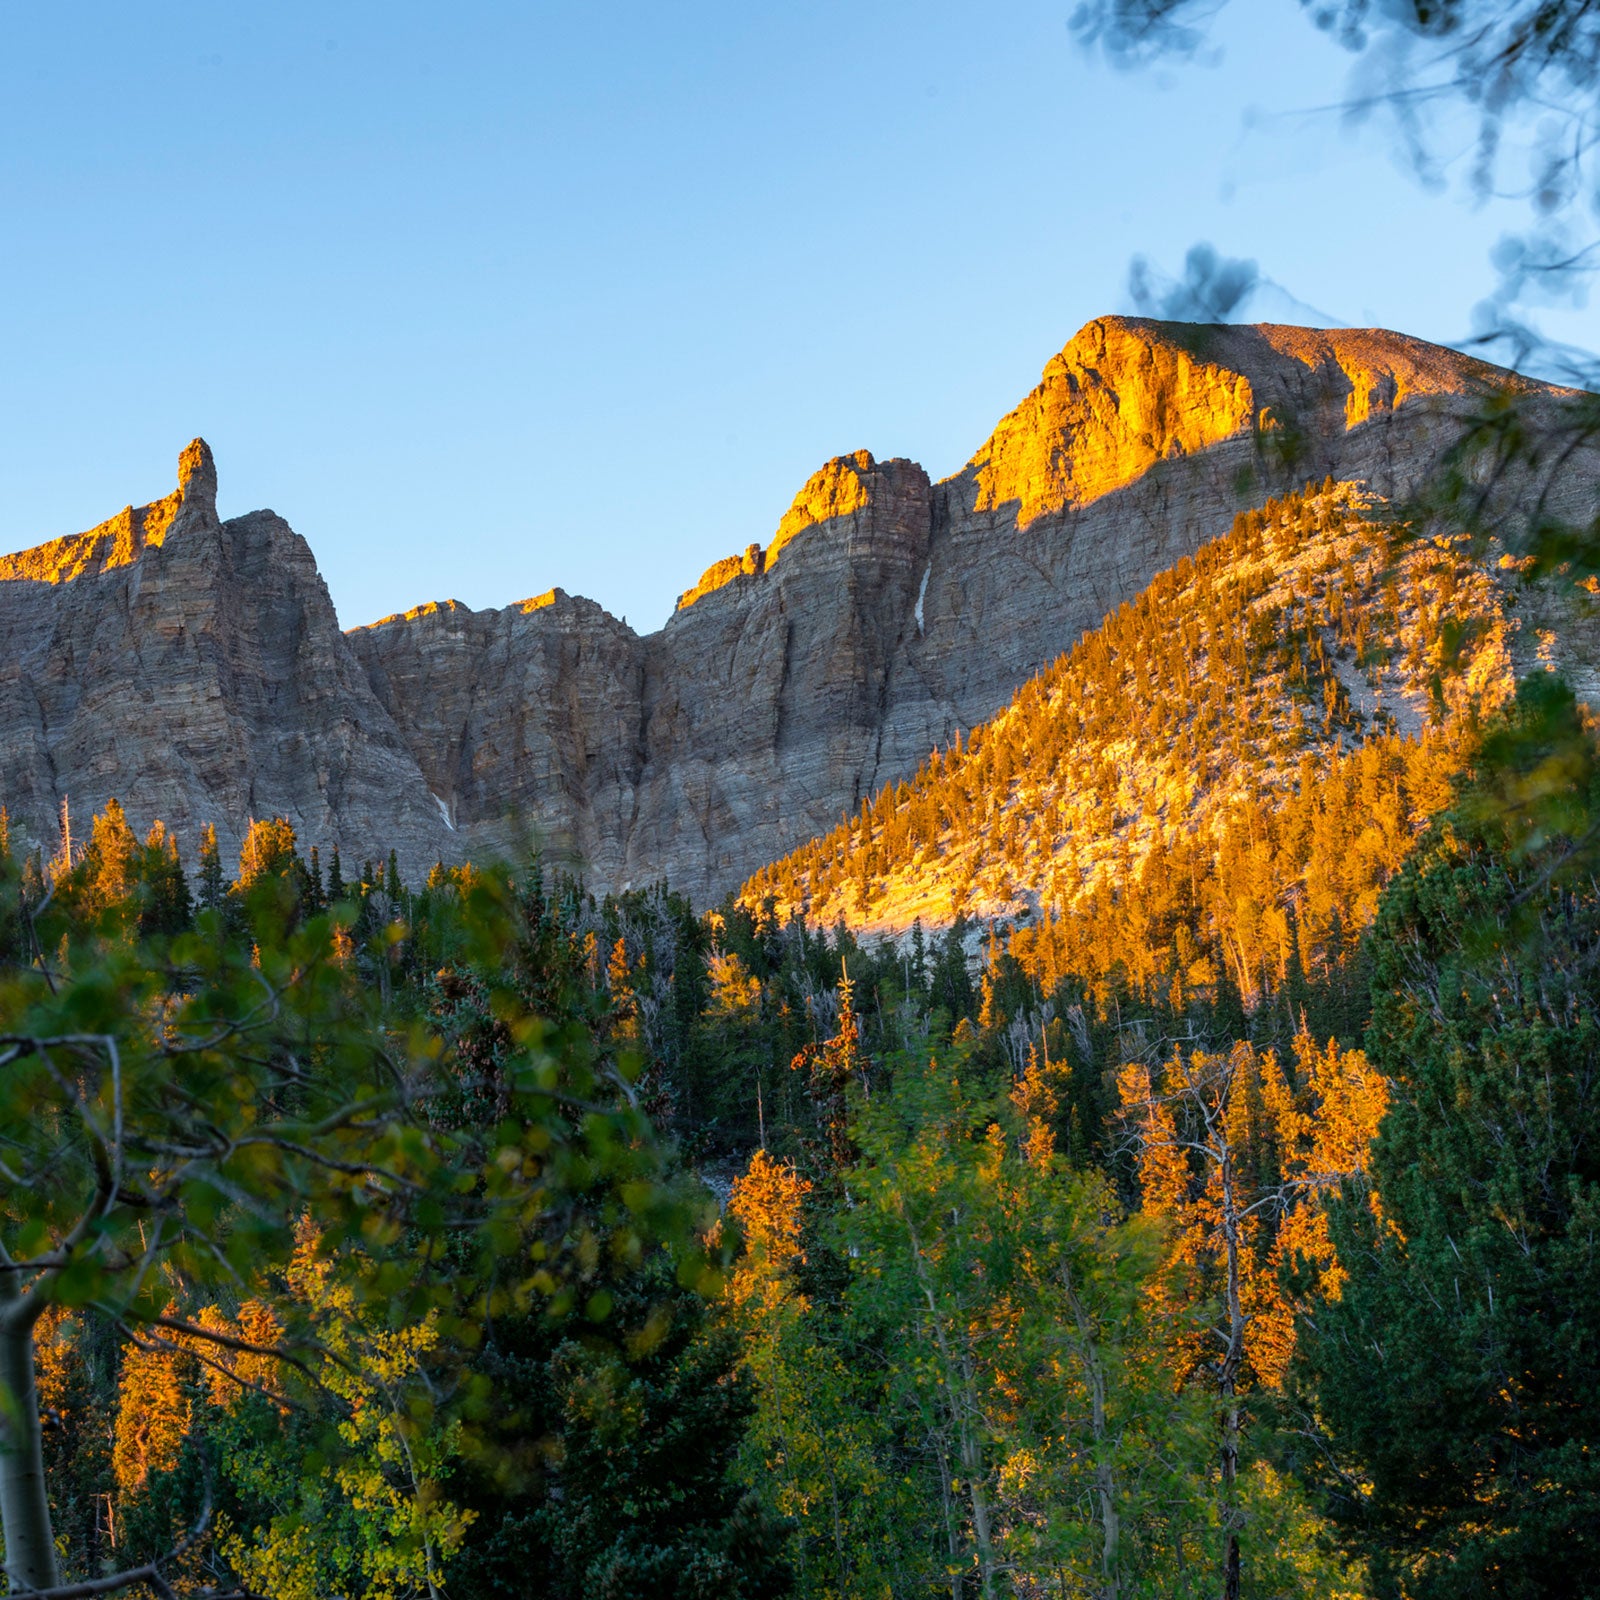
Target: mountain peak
[1127,393]
[841,487]
[835,489]
[197,475]
[121,540]
[885,616]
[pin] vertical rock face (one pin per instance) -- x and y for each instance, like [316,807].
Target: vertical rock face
[195,669]
[525,721]
[752,717]
[767,700]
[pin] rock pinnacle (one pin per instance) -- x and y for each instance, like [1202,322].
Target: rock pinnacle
[197,475]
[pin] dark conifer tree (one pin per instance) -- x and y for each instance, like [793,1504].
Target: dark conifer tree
[1227,1015]
[213,885]
[1458,1373]
[952,982]
[166,907]
[627,1491]
[919,959]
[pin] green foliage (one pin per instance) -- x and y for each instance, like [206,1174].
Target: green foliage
[982,1401]
[609,1470]
[413,1142]
[1007,1295]
[1456,1377]
[210,1119]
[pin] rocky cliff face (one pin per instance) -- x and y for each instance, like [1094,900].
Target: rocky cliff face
[194,668]
[756,714]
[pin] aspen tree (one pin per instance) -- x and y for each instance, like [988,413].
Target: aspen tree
[152,1410]
[1239,1163]
[173,1113]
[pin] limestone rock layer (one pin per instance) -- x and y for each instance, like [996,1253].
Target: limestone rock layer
[195,669]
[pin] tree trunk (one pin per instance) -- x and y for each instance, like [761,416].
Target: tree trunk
[1104,1480]
[952,1534]
[972,1466]
[24,1500]
[1228,1382]
[962,1399]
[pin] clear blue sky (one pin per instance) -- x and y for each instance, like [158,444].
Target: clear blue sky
[487,298]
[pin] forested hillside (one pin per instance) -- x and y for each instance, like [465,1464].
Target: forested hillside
[1215,783]
[402,1274]
[1096,1234]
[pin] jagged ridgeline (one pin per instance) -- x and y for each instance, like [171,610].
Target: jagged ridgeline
[194,667]
[1214,784]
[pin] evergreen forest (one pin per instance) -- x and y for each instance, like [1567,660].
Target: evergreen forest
[1148,1153]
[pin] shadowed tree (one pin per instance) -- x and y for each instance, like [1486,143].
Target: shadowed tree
[176,1116]
[1455,1374]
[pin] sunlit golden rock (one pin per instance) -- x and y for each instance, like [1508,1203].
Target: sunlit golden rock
[123,538]
[722,572]
[834,490]
[1110,406]
[837,489]
[428,608]
[1127,394]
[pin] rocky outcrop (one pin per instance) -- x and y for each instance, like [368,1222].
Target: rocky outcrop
[1142,441]
[194,668]
[525,721]
[1127,395]
[755,715]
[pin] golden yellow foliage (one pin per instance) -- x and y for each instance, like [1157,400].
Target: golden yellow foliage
[989,1013]
[619,975]
[230,1373]
[392,1475]
[1036,1095]
[1235,1142]
[768,1203]
[54,1338]
[268,848]
[153,1413]
[105,875]
[735,994]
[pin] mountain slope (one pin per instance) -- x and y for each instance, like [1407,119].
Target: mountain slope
[888,613]
[1222,774]
[194,669]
